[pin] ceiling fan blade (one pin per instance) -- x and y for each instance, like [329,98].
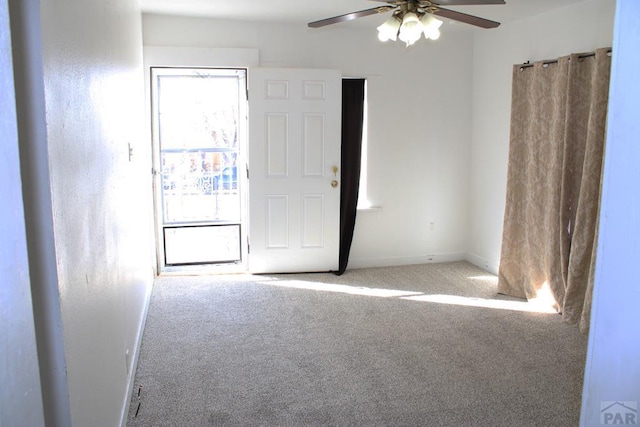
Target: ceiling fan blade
[350,16]
[467,19]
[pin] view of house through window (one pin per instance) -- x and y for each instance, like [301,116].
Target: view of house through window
[198,130]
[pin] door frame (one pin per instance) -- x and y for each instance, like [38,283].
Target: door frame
[159,226]
[188,57]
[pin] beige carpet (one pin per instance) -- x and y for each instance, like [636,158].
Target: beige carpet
[429,345]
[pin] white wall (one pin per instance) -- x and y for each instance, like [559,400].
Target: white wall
[101,198]
[612,371]
[579,28]
[20,397]
[419,123]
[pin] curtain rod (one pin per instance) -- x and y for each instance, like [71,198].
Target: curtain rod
[555,61]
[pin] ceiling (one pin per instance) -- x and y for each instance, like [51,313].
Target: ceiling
[304,11]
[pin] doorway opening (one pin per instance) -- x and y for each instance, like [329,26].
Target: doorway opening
[199,121]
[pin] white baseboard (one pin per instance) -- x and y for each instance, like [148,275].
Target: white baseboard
[409,260]
[482,263]
[134,360]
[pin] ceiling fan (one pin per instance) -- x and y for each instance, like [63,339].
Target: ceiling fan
[412,17]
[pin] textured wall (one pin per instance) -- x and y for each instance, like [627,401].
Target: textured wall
[20,398]
[612,372]
[101,197]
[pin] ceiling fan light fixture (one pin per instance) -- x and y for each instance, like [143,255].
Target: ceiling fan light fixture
[389,29]
[412,18]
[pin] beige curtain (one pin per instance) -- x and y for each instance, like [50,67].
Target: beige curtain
[558,119]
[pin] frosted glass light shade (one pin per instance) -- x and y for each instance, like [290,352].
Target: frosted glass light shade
[433,34]
[389,29]
[431,26]
[411,28]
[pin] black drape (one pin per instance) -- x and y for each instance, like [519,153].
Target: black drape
[352,115]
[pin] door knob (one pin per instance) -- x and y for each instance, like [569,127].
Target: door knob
[334,183]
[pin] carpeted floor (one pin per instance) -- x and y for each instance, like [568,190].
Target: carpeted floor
[413,345]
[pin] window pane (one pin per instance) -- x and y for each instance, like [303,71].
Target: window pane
[198,132]
[198,111]
[200,186]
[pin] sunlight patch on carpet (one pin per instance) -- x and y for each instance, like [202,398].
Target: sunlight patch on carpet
[486,279]
[530,306]
[482,302]
[343,289]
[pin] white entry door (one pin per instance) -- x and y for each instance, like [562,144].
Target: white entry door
[294,170]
